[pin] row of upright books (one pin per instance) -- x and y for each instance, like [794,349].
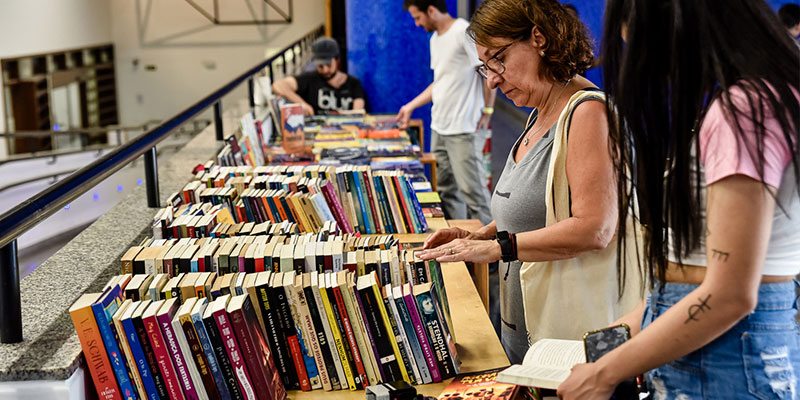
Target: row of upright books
[253,335]
[356,198]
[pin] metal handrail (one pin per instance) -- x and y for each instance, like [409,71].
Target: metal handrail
[77,131]
[29,213]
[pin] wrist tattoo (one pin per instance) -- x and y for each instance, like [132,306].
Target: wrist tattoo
[720,255]
[695,309]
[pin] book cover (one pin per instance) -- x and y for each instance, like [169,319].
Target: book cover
[338,379]
[331,310]
[149,355]
[136,355]
[421,331]
[164,317]
[303,337]
[292,128]
[359,373]
[436,333]
[93,349]
[288,327]
[312,344]
[325,363]
[410,335]
[274,333]
[205,345]
[480,385]
[160,350]
[386,357]
[196,362]
[104,308]
[220,353]
[400,334]
[347,287]
[372,200]
[226,331]
[405,355]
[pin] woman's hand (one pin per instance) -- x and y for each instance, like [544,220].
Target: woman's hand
[443,236]
[585,383]
[477,251]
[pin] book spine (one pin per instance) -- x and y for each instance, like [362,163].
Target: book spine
[383,203]
[96,357]
[139,359]
[276,340]
[163,358]
[406,367]
[195,351]
[345,195]
[310,330]
[409,207]
[374,219]
[369,343]
[114,353]
[436,335]
[336,207]
[287,325]
[234,355]
[221,354]
[150,357]
[424,343]
[413,340]
[359,371]
[361,210]
[325,360]
[337,339]
[249,354]
[303,339]
[337,372]
[387,360]
[401,203]
[171,342]
[208,350]
[417,208]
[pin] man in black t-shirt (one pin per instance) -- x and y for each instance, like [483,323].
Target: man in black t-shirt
[325,90]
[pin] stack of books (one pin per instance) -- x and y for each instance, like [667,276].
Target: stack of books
[289,321]
[356,198]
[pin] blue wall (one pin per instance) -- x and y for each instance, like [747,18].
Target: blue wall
[390,55]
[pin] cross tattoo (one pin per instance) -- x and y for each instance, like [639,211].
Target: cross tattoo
[698,308]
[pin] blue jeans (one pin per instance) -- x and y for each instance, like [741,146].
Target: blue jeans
[758,358]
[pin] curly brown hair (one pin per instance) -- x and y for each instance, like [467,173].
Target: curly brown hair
[568,50]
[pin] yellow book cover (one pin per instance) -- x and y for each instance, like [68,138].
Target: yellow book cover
[388,325]
[337,336]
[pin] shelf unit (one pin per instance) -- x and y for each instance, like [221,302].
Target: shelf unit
[29,81]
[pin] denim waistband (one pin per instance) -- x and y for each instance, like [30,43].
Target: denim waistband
[771,296]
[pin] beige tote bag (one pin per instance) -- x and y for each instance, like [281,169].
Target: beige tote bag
[564,299]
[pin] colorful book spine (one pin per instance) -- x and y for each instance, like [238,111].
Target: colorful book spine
[276,340]
[221,354]
[436,334]
[163,358]
[190,345]
[92,345]
[171,342]
[103,310]
[336,206]
[303,339]
[139,359]
[407,365]
[411,335]
[337,372]
[417,208]
[290,333]
[419,328]
[326,363]
[337,336]
[225,329]
[150,357]
[211,358]
[362,212]
[373,211]
[359,374]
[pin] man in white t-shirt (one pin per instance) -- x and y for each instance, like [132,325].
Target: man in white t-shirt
[459,119]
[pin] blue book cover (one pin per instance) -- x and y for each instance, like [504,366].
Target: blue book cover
[208,350]
[138,356]
[423,224]
[360,209]
[408,328]
[248,212]
[286,208]
[386,214]
[103,309]
[365,213]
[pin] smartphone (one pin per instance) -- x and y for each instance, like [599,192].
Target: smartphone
[597,343]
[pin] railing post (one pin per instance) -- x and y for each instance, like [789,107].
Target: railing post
[10,305]
[283,62]
[218,120]
[151,177]
[251,90]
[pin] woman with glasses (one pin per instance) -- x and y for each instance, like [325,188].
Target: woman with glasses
[709,94]
[555,204]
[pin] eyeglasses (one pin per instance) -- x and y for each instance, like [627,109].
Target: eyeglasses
[493,64]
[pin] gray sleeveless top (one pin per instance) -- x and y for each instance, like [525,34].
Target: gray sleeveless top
[518,205]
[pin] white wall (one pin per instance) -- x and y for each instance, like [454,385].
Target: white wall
[192,57]
[42,26]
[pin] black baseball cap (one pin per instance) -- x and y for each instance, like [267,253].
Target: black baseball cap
[324,50]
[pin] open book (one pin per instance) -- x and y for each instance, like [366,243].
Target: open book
[546,364]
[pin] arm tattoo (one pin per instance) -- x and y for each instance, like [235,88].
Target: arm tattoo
[695,309]
[720,255]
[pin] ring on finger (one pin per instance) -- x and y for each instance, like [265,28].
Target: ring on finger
[452,251]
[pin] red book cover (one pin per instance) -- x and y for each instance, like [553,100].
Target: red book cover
[225,329]
[403,206]
[287,324]
[336,207]
[372,205]
[292,128]
[350,338]
[480,385]
[164,317]
[160,349]
[93,349]
[255,349]
[259,259]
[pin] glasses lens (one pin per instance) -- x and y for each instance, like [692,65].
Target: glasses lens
[496,66]
[482,71]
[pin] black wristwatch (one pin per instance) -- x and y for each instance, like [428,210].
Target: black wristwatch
[508,245]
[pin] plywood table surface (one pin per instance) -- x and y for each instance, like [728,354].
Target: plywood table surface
[476,342]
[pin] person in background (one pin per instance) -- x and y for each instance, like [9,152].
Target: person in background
[462,107]
[789,15]
[711,135]
[554,206]
[325,90]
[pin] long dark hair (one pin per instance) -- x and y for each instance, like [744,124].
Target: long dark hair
[678,57]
